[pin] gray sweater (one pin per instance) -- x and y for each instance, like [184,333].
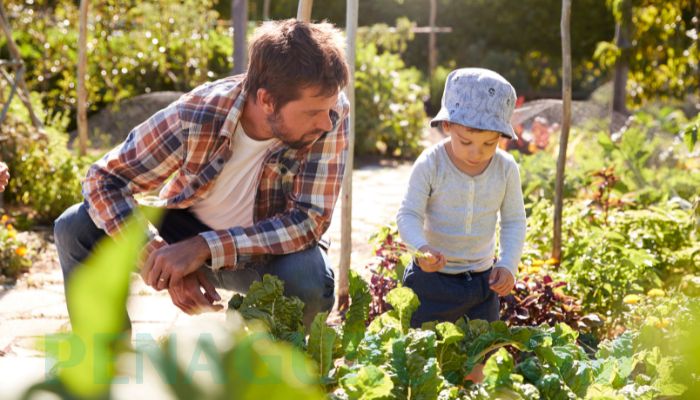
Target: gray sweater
[457,214]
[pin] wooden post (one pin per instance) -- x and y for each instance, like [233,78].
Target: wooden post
[346,208]
[82,71]
[266,10]
[432,45]
[239,21]
[23,93]
[565,125]
[304,10]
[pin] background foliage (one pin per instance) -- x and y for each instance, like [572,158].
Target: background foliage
[133,47]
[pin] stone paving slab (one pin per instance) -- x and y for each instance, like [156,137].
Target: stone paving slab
[15,303]
[18,373]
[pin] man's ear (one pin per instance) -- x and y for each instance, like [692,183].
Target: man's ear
[265,100]
[445,125]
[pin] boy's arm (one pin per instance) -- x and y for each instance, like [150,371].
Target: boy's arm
[513,224]
[411,213]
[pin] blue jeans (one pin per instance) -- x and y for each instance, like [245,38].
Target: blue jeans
[306,274]
[445,297]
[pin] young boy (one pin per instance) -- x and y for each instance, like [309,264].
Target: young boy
[457,191]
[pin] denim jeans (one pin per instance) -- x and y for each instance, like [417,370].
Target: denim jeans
[445,297]
[306,274]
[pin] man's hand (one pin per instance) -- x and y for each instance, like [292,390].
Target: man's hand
[168,265]
[153,245]
[432,260]
[501,281]
[4,176]
[187,294]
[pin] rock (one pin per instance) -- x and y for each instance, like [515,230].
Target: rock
[111,125]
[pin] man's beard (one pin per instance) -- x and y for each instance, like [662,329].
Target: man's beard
[280,131]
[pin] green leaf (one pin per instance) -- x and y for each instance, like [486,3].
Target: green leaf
[690,135]
[265,302]
[498,369]
[448,333]
[662,369]
[552,387]
[358,312]
[322,340]
[605,142]
[388,320]
[371,350]
[405,303]
[426,381]
[368,382]
[399,365]
[405,260]
[449,356]
[97,294]
[259,367]
[422,379]
[563,334]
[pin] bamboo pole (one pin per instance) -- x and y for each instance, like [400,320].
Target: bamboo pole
[346,208]
[304,10]
[266,10]
[432,42]
[239,21]
[565,126]
[82,71]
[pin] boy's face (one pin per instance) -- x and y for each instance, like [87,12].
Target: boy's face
[473,147]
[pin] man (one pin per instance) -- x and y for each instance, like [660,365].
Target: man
[256,161]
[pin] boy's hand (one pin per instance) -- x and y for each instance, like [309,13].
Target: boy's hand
[431,260]
[501,281]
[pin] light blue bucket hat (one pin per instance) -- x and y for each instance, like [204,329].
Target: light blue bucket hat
[478,98]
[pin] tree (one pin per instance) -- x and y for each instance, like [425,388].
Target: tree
[663,54]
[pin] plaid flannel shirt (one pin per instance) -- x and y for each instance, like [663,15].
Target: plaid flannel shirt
[190,142]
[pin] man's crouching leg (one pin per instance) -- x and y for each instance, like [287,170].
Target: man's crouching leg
[307,275]
[75,236]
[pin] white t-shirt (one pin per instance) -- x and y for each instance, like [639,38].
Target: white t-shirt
[230,201]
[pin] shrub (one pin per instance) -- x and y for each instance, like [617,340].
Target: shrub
[388,101]
[133,47]
[14,255]
[45,175]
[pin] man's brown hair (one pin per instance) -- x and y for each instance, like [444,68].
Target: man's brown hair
[290,55]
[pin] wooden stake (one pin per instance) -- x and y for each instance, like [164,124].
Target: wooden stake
[346,208]
[239,21]
[304,10]
[565,126]
[82,71]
